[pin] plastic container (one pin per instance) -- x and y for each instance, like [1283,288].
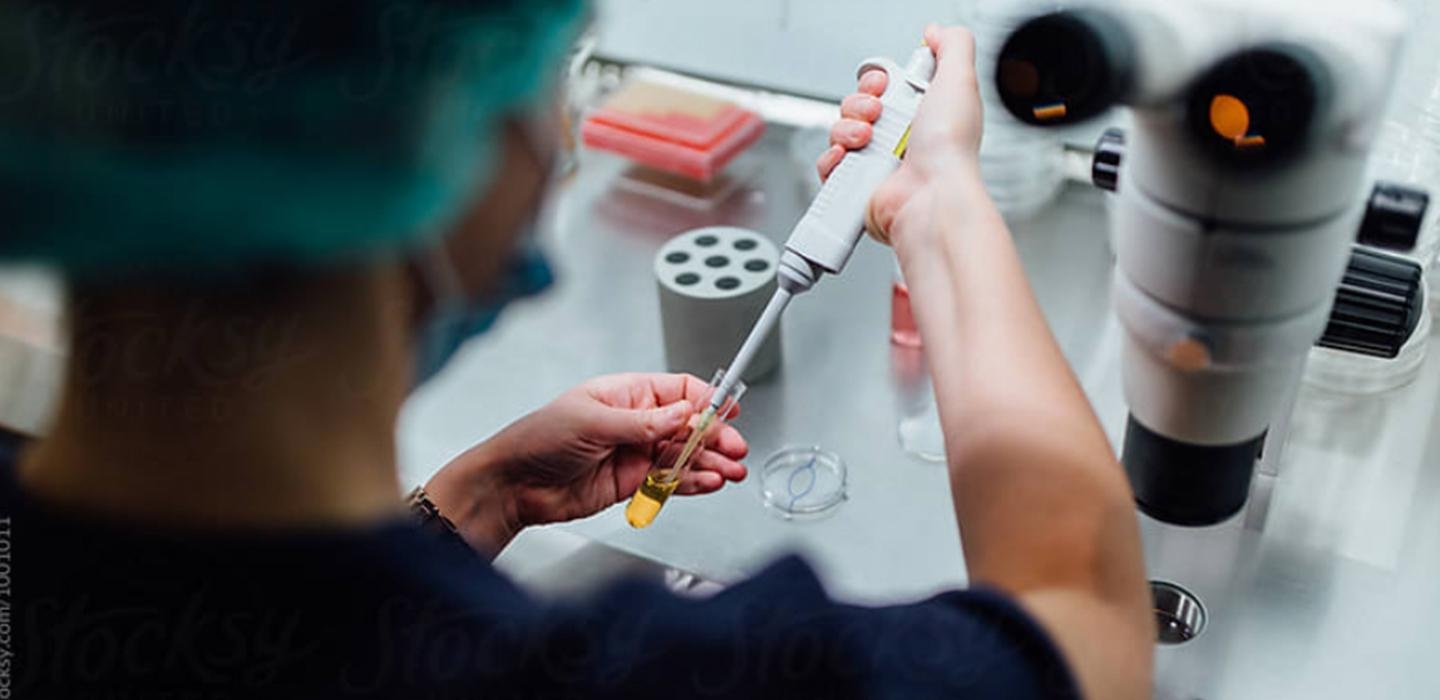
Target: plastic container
[672,130]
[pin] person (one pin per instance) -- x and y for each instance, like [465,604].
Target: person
[260,272]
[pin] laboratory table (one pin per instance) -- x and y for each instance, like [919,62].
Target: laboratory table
[1333,593]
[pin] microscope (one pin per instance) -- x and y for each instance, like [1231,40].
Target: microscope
[1239,205]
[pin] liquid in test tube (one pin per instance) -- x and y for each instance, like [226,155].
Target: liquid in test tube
[676,455]
[903,329]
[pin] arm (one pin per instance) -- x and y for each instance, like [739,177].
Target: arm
[1044,509]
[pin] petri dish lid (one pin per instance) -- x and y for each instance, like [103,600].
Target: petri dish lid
[802,482]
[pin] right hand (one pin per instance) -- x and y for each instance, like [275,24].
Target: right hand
[944,139]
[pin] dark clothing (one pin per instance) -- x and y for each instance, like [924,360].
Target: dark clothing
[103,612]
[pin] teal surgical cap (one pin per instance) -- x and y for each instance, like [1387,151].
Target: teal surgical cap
[200,134]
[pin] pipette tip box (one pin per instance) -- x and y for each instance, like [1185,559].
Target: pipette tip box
[672,130]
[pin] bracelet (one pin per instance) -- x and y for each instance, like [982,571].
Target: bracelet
[427,515]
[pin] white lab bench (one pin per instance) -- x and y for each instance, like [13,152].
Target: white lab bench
[1335,597]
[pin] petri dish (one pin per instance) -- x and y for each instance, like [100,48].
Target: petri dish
[802,482]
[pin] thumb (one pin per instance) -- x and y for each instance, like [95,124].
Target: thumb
[633,427]
[952,45]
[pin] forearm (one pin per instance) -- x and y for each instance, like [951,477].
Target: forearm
[1038,495]
[472,494]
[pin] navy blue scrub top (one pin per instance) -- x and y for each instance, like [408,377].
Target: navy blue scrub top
[102,611]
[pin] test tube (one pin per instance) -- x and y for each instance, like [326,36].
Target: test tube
[675,456]
[903,329]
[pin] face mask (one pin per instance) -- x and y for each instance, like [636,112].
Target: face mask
[456,318]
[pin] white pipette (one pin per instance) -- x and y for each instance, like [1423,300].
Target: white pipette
[826,236]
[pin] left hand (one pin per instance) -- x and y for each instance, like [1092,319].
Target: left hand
[577,456]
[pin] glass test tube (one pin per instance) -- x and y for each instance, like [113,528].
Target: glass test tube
[903,329]
[675,456]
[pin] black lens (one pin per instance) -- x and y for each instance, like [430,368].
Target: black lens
[1064,67]
[1257,107]
[1187,484]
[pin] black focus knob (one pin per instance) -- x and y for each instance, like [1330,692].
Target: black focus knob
[1393,216]
[1105,164]
[1378,305]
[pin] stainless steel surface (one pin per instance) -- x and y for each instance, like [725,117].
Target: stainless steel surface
[1336,597]
[806,47]
[1179,615]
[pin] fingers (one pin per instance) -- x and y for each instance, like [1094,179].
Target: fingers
[621,426]
[954,54]
[645,390]
[861,107]
[630,470]
[874,83]
[951,43]
[829,160]
[728,469]
[679,398]
[948,125]
[857,113]
[728,442]
[851,134]
[697,483]
[664,389]
[669,388]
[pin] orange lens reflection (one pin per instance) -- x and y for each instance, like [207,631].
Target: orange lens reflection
[1050,112]
[1229,117]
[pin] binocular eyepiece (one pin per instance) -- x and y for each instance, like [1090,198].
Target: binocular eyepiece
[1254,106]
[1065,67]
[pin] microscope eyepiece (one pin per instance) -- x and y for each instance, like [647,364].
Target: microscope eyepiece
[1065,67]
[1257,107]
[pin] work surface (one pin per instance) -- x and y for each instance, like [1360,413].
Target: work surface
[1335,595]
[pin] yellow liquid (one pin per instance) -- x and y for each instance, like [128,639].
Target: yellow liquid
[652,494]
[647,501]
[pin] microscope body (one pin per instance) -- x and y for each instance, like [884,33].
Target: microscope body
[1238,199]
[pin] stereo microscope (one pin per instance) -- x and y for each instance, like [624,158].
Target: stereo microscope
[1239,203]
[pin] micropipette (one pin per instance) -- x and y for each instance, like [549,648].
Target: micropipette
[826,236]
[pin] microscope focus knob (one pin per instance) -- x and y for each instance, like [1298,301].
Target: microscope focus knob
[1393,216]
[1105,164]
[1378,305]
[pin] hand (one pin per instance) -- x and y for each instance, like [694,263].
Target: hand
[582,453]
[944,139]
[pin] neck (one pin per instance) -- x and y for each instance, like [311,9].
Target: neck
[239,413]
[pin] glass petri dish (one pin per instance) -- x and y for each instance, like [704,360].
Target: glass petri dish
[921,435]
[802,482]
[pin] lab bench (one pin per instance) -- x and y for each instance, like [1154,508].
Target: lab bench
[1332,594]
